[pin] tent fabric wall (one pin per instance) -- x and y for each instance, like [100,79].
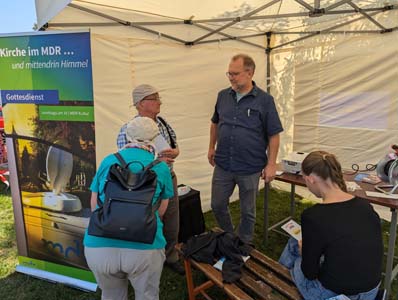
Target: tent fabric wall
[189,79]
[188,88]
[345,97]
[308,77]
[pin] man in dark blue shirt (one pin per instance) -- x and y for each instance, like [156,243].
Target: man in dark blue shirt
[244,143]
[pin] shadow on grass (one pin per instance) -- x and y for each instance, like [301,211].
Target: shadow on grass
[18,286]
[172,287]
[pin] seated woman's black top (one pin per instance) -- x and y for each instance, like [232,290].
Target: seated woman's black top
[348,236]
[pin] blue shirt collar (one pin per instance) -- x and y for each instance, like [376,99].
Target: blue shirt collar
[253,92]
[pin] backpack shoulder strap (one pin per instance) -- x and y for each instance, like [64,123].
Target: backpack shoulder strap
[156,205]
[99,202]
[120,159]
[152,164]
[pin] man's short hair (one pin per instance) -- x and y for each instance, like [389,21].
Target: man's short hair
[248,62]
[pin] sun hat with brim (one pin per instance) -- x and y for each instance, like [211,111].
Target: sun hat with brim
[141,129]
[142,91]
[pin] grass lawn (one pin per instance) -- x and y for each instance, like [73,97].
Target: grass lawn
[173,287]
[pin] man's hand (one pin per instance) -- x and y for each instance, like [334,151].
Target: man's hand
[210,156]
[269,172]
[166,159]
[170,153]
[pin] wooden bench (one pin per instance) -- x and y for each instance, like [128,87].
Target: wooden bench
[261,276]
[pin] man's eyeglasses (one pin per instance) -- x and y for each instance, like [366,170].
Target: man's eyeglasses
[233,74]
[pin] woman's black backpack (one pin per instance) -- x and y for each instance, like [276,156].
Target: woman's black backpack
[127,212]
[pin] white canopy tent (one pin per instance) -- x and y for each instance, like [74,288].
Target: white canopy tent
[330,65]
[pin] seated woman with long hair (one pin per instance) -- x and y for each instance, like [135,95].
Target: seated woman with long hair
[341,249]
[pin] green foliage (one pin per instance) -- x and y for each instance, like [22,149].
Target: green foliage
[172,287]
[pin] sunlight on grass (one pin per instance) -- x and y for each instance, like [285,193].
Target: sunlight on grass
[172,287]
[8,251]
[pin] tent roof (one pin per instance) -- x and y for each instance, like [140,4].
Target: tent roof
[143,41]
[232,19]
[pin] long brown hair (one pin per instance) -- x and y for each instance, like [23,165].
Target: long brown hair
[324,165]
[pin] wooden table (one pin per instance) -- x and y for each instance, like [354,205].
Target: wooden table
[294,180]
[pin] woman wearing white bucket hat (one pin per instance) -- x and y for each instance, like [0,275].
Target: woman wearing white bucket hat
[147,102]
[115,262]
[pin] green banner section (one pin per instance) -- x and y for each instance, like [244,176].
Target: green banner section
[56,268]
[66,113]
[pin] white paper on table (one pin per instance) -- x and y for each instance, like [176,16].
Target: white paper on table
[352,186]
[160,143]
[293,229]
[381,195]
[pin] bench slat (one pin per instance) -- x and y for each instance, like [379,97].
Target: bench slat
[275,282]
[271,264]
[234,292]
[262,290]
[261,275]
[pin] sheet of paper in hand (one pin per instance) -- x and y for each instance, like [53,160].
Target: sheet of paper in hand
[160,143]
[293,229]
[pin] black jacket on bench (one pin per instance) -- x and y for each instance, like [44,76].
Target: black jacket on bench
[211,246]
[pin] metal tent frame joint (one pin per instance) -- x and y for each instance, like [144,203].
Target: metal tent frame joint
[388,7]
[317,12]
[44,27]
[313,11]
[387,30]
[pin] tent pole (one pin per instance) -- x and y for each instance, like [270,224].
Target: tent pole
[336,5]
[236,20]
[229,37]
[305,4]
[125,23]
[93,12]
[334,32]
[158,33]
[296,40]
[348,22]
[328,30]
[267,185]
[88,24]
[354,6]
[268,53]
[316,7]
[289,15]
[248,16]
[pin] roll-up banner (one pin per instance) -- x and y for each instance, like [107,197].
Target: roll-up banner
[46,92]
